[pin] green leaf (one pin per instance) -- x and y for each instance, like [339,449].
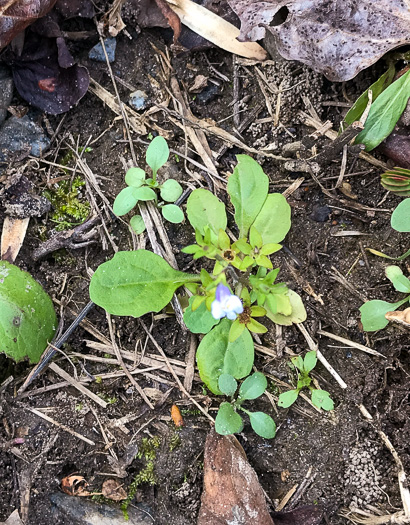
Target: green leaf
[255,238]
[227,384]
[269,249]
[399,281]
[204,209]
[253,387]
[124,201]
[223,240]
[27,317]
[297,361]
[243,246]
[385,112]
[137,224]
[171,190]
[135,283]
[256,327]
[373,314]
[262,424]
[298,314]
[144,194]
[157,153]
[200,320]
[400,219]
[135,177]
[216,355]
[286,399]
[248,188]
[236,330]
[172,213]
[310,361]
[273,221]
[321,399]
[227,421]
[356,111]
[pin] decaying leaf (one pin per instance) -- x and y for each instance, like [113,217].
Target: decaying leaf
[16,15]
[75,486]
[12,237]
[401,317]
[113,490]
[176,416]
[338,38]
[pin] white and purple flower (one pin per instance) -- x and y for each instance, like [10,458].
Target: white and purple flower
[225,304]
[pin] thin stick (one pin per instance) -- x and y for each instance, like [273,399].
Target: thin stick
[313,346]
[60,425]
[180,385]
[62,373]
[350,343]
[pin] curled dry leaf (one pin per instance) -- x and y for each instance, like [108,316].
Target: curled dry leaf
[75,486]
[176,416]
[16,15]
[338,38]
[113,490]
[401,317]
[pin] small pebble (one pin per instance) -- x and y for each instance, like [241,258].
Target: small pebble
[207,95]
[138,100]
[320,213]
[22,135]
[97,53]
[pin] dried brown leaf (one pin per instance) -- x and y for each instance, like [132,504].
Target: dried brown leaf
[338,38]
[113,490]
[75,486]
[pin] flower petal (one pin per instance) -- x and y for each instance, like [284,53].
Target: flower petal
[216,310]
[222,293]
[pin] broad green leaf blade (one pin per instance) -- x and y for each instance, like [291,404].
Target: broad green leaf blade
[172,213]
[157,153]
[286,399]
[144,194]
[373,314]
[385,112]
[309,361]
[253,387]
[322,399]
[124,201]
[236,330]
[298,314]
[137,224]
[273,221]
[227,384]
[216,355]
[204,209]
[356,111]
[248,188]
[400,219]
[171,190]
[135,283]
[135,177]
[262,424]
[199,321]
[227,421]
[27,317]
[399,281]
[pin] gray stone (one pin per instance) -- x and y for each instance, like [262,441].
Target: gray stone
[97,53]
[22,135]
[138,100]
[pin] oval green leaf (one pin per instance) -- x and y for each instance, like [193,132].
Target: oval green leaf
[172,213]
[125,201]
[171,190]
[135,283]
[137,224]
[135,177]
[248,188]
[400,219]
[400,282]
[227,421]
[227,384]
[144,194]
[200,320]
[253,387]
[204,209]
[157,153]
[385,112]
[216,355]
[262,424]
[27,317]
[309,361]
[273,221]
[322,399]
[298,314]
[373,314]
[286,399]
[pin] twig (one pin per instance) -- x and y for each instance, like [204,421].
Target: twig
[350,343]
[60,425]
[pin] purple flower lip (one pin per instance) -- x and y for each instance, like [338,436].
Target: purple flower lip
[226,304]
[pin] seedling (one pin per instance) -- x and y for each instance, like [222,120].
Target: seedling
[320,398]
[373,313]
[397,180]
[228,421]
[140,188]
[227,301]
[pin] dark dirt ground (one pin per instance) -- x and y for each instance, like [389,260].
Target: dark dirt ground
[341,448]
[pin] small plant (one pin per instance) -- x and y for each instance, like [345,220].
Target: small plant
[397,180]
[320,398]
[139,188]
[228,421]
[228,302]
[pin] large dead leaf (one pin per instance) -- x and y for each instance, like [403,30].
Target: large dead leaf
[339,38]
[16,15]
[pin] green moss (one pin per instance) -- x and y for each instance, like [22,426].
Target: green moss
[174,442]
[70,207]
